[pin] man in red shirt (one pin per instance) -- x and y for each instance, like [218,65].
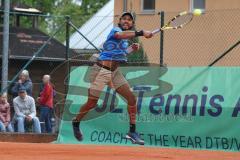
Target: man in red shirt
[46,104]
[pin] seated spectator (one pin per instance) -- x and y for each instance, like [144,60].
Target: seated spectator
[24,81]
[46,104]
[5,120]
[25,111]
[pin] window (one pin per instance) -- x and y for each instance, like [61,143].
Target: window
[148,5]
[197,4]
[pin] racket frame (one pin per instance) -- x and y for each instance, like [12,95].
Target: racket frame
[168,26]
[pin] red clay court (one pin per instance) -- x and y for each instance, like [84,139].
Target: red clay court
[34,151]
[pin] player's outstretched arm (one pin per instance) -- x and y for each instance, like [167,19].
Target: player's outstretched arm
[132,34]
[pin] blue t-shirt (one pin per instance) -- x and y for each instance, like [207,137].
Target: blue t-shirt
[114,49]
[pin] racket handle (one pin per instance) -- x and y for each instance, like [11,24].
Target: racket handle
[156,31]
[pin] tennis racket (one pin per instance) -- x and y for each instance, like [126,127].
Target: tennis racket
[176,22]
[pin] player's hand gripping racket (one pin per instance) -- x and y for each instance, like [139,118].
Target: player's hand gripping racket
[176,22]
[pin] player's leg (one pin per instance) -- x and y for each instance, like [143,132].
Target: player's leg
[125,91]
[93,96]
[122,87]
[99,78]
[90,104]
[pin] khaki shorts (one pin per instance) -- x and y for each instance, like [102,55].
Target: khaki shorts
[99,77]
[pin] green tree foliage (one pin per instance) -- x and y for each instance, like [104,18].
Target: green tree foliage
[79,14]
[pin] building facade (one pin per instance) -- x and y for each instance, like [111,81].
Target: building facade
[197,44]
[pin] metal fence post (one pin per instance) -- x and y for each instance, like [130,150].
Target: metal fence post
[161,38]
[67,21]
[5,45]
[67,36]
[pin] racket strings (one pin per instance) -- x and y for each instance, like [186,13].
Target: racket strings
[181,20]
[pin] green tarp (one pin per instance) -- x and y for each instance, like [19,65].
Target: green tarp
[196,108]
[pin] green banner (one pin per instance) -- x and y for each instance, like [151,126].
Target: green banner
[196,108]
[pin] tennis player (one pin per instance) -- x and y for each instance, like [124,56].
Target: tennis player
[106,72]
